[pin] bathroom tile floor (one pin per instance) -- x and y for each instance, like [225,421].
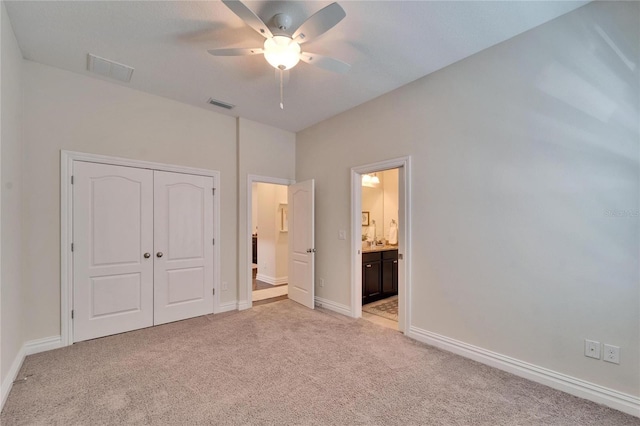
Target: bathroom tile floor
[382,312]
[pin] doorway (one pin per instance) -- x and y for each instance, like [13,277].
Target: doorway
[381,243]
[269,241]
[379,203]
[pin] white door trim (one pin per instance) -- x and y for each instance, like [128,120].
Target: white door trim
[404,236]
[251,179]
[66,225]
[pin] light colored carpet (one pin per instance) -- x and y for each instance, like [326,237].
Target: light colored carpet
[278,364]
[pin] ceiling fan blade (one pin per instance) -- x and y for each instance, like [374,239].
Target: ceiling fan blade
[248,17]
[325,62]
[236,52]
[319,23]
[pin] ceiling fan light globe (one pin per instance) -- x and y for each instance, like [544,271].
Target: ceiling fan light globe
[281,52]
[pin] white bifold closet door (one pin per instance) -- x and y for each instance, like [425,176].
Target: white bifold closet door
[143,248]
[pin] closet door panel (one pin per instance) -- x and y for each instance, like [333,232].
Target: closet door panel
[113,228]
[183,267]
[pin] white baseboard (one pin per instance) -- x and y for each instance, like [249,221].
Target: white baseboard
[12,374]
[272,280]
[333,306]
[29,348]
[620,401]
[42,345]
[243,304]
[227,306]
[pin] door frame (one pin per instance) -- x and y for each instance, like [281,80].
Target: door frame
[251,179]
[404,236]
[66,225]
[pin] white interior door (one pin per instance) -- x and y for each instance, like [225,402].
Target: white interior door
[113,229]
[301,243]
[183,258]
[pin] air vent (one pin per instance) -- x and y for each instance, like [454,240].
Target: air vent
[109,68]
[220,104]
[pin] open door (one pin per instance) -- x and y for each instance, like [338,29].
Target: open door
[301,243]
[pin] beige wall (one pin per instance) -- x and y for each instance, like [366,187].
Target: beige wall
[11,329]
[391,198]
[265,151]
[381,201]
[272,244]
[63,110]
[520,154]
[254,208]
[373,202]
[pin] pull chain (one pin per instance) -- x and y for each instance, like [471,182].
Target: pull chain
[281,90]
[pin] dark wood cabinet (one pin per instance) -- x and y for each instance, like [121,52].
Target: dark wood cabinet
[371,279]
[254,249]
[379,275]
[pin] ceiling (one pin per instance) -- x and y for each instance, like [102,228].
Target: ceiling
[388,44]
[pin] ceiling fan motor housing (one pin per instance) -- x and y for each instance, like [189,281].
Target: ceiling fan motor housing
[282,21]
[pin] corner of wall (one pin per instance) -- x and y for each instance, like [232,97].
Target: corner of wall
[11,282]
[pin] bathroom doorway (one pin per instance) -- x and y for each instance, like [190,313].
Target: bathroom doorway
[381,220]
[269,242]
[380,247]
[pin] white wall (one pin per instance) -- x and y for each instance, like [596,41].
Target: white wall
[63,110]
[525,177]
[11,325]
[264,151]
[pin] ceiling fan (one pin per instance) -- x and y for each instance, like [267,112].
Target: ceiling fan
[283,51]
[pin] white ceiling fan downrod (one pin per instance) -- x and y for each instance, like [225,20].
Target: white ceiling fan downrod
[281,67]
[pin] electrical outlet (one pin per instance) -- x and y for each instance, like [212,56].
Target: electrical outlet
[611,354]
[320,282]
[592,349]
[225,286]
[342,234]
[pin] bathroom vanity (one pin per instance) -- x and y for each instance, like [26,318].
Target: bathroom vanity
[379,273]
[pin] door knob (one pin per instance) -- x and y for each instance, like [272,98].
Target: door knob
[159,254]
[147,255]
[311,250]
[368,266]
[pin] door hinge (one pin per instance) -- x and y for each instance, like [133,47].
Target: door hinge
[400,256]
[214,291]
[71,246]
[213,191]
[72,314]
[71,179]
[214,242]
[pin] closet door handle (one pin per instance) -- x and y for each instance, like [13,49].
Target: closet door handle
[159,254]
[147,255]
[395,261]
[368,266]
